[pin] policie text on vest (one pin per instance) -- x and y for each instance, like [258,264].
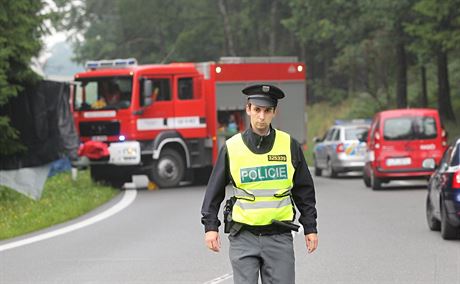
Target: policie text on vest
[274,172]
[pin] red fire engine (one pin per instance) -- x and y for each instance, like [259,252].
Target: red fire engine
[167,121]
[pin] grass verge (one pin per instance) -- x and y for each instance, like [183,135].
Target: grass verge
[63,199]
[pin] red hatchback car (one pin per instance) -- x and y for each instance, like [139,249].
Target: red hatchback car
[403,144]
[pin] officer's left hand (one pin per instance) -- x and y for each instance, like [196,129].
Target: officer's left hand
[312,242]
[212,240]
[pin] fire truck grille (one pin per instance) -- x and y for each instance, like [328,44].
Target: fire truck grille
[99,128]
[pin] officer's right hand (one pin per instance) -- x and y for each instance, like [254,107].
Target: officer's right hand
[212,240]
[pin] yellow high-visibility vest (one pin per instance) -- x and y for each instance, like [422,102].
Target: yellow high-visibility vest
[263,182]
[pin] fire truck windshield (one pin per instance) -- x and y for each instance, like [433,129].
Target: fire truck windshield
[103,93]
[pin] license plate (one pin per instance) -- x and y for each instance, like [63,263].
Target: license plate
[398,161]
[125,153]
[99,138]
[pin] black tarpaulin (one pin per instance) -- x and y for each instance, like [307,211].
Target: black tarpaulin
[43,117]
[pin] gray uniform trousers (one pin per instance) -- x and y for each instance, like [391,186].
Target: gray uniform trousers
[272,255]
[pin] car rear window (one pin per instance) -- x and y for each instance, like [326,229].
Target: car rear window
[354,132]
[410,128]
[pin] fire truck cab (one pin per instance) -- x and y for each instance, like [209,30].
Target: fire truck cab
[167,120]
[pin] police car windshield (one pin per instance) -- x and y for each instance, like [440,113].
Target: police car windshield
[103,93]
[410,128]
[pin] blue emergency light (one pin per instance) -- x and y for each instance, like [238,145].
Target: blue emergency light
[356,121]
[114,63]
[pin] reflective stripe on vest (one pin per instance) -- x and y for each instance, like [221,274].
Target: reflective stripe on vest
[246,195]
[263,182]
[264,204]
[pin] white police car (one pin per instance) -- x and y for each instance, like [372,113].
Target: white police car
[340,149]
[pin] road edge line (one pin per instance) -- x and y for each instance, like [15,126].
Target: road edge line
[128,198]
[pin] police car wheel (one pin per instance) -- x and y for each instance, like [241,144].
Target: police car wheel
[169,169]
[330,169]
[318,172]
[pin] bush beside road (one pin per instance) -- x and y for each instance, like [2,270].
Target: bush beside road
[62,200]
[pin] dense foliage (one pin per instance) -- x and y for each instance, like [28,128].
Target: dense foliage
[389,50]
[20,31]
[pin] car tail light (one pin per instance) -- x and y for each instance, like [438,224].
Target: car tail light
[444,138]
[443,133]
[377,140]
[304,147]
[340,148]
[371,156]
[456,180]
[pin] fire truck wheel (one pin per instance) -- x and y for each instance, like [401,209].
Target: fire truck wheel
[169,169]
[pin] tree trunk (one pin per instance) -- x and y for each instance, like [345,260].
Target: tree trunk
[444,102]
[229,48]
[273,24]
[424,94]
[401,70]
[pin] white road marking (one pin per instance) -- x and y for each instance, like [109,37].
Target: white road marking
[219,279]
[127,199]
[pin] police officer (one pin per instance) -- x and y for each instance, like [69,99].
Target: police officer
[269,175]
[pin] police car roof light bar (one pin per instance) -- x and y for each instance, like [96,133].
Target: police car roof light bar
[356,121]
[114,63]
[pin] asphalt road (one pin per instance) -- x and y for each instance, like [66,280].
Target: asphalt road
[365,237]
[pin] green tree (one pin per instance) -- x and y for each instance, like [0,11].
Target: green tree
[257,29]
[437,30]
[179,30]
[153,31]
[328,30]
[350,47]
[20,31]
[391,16]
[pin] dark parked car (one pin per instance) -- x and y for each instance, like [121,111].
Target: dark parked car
[443,199]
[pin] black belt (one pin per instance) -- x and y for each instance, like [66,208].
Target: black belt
[266,230]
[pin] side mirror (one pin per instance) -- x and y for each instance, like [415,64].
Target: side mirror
[316,139]
[146,94]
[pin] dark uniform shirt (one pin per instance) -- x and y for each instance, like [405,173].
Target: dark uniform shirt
[303,191]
